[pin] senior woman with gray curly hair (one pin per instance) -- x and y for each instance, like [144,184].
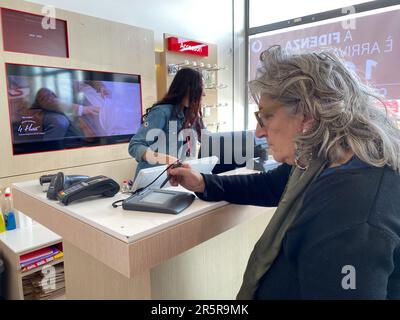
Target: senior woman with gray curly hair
[336,230]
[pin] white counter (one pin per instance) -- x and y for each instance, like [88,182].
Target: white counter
[125,225]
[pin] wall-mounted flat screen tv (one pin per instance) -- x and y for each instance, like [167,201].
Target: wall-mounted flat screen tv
[57,108]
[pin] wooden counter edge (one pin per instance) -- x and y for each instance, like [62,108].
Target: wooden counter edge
[153,250]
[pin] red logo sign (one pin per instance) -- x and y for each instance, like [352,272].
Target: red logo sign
[187,46]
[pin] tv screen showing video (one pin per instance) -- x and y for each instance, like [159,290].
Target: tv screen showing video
[56,108]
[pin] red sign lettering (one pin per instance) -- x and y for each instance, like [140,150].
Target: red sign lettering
[186,46]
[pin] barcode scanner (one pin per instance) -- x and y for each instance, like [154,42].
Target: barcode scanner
[46,179]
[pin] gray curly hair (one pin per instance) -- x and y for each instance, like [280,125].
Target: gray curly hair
[345,111]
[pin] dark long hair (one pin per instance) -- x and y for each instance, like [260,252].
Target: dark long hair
[186,81]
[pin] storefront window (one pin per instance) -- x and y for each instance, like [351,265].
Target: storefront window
[315,25]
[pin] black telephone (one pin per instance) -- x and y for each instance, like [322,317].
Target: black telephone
[94,186]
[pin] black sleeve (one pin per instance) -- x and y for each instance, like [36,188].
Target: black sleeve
[353,264]
[259,189]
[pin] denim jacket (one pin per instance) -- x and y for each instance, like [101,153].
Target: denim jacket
[160,132]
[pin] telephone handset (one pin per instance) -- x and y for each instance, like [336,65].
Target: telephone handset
[94,186]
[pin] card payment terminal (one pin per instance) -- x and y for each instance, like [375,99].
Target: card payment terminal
[94,186]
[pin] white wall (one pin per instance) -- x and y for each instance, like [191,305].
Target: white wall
[205,20]
[209,20]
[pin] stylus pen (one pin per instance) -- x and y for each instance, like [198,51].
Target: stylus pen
[165,182]
[178,164]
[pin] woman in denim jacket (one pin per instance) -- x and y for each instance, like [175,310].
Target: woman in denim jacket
[172,125]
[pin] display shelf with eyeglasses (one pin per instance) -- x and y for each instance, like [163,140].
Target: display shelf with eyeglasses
[215,126]
[187,55]
[207,109]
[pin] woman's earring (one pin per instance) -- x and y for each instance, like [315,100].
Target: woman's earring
[297,160]
[299,166]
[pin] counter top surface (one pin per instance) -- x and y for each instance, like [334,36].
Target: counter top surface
[125,225]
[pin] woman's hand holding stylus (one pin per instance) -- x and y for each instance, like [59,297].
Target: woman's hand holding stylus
[187,178]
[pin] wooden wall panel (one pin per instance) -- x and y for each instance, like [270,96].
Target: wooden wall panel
[94,44]
[118,170]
